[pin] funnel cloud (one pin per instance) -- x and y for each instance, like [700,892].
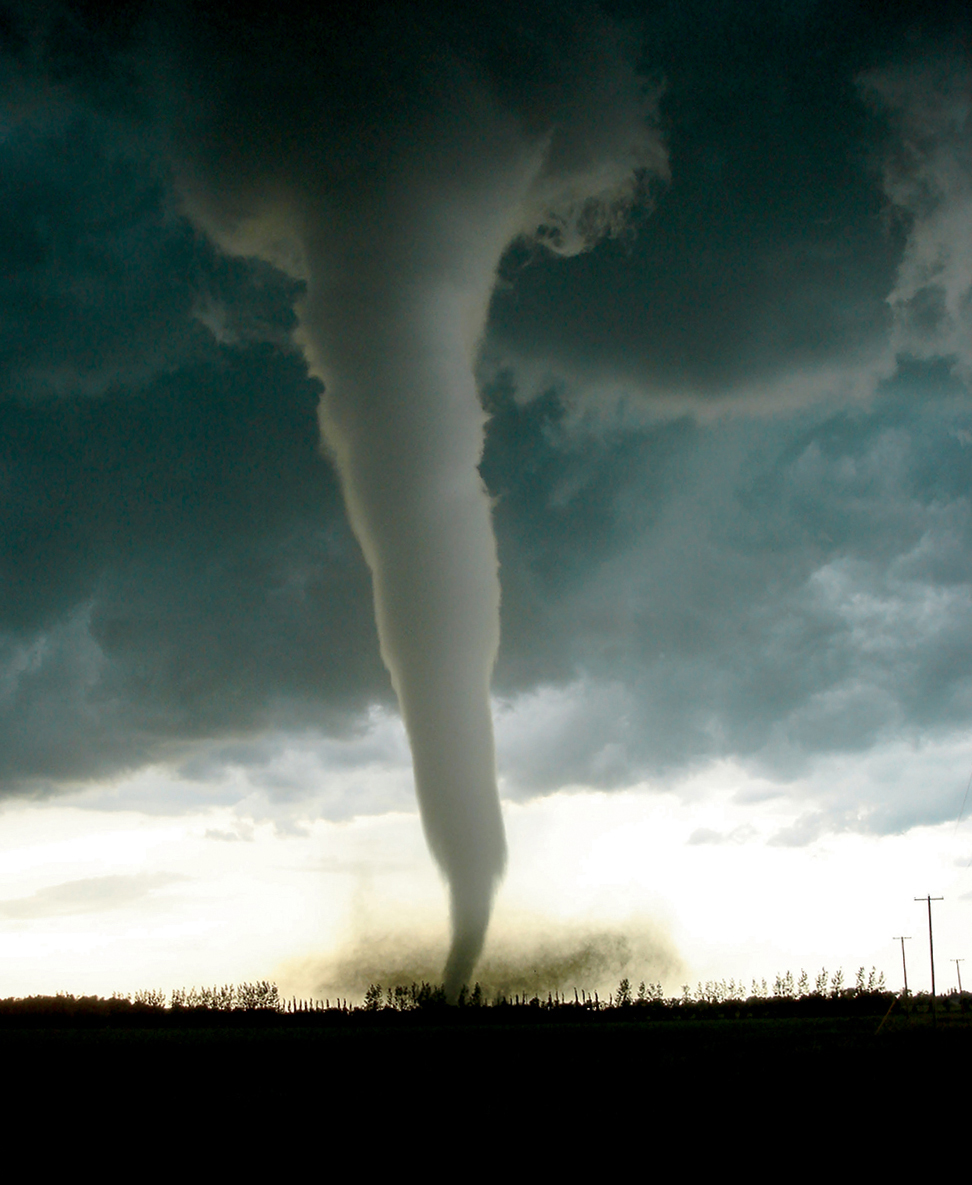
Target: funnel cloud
[392,185]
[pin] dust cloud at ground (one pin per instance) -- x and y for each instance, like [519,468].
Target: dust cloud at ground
[590,959]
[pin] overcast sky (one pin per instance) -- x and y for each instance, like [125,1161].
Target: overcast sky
[730,452]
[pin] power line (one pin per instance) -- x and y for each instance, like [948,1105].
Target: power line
[903,938]
[931,944]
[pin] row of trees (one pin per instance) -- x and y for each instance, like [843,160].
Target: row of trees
[264,997]
[785,987]
[403,998]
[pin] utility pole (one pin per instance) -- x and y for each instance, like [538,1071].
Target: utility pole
[931,944]
[903,938]
[958,971]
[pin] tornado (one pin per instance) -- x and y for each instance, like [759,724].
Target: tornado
[388,163]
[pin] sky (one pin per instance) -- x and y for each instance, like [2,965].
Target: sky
[726,441]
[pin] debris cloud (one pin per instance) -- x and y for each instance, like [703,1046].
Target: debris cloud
[590,959]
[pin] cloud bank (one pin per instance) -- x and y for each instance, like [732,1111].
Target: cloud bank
[783,585]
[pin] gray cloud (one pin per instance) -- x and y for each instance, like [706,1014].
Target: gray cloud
[928,177]
[771,589]
[706,835]
[90,895]
[179,582]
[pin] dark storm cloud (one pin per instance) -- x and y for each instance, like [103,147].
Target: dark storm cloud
[763,273]
[174,556]
[176,564]
[767,251]
[88,294]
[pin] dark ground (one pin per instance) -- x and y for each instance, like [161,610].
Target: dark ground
[799,1095]
[372,1049]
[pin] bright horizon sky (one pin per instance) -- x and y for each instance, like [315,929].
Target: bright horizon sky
[99,896]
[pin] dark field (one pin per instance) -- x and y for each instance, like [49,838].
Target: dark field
[811,1040]
[534,1087]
